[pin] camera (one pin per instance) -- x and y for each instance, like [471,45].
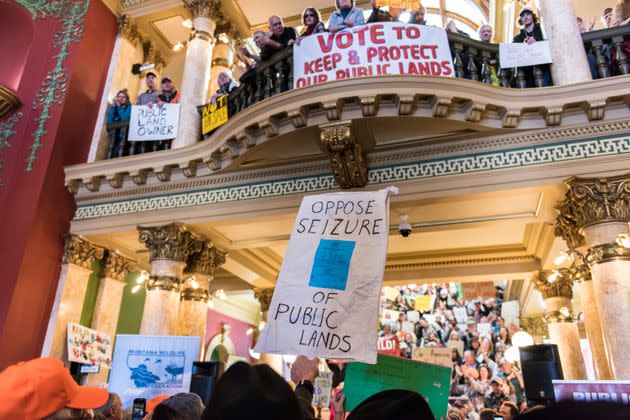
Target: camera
[404,228]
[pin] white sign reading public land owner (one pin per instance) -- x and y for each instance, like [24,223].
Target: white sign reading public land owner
[155,123]
[326,299]
[372,50]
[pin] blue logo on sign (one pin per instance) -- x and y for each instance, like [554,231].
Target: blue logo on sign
[156,369]
[332,263]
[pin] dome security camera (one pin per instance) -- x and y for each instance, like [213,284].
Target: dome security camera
[404,228]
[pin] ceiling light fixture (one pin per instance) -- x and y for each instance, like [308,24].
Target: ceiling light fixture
[187,24]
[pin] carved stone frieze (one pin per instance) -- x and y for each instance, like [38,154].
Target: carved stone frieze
[599,200]
[81,252]
[562,286]
[346,155]
[264,297]
[566,226]
[535,325]
[170,242]
[118,266]
[602,253]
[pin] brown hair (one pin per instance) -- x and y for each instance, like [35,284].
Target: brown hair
[124,92]
[318,16]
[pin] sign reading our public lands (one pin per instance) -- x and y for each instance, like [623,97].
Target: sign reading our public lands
[326,298]
[431,381]
[214,115]
[155,123]
[387,48]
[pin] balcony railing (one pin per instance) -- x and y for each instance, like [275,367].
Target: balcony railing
[607,51]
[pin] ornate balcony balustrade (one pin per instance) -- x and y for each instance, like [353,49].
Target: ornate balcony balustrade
[607,51]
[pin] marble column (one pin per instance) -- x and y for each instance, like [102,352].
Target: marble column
[196,71]
[264,297]
[193,307]
[78,257]
[107,307]
[566,227]
[170,246]
[601,207]
[570,64]
[563,330]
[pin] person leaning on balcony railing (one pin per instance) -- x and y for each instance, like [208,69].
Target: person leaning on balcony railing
[530,33]
[346,16]
[151,94]
[485,35]
[312,21]
[118,112]
[280,38]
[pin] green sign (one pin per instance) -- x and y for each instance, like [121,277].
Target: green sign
[431,381]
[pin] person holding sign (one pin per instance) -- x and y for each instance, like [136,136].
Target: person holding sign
[346,16]
[226,85]
[529,34]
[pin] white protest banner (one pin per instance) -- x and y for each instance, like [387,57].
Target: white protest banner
[326,298]
[146,366]
[323,388]
[435,355]
[372,50]
[510,311]
[460,314]
[521,54]
[413,316]
[484,329]
[155,123]
[88,346]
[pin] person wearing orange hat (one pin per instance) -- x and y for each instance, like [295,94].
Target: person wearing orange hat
[41,387]
[154,402]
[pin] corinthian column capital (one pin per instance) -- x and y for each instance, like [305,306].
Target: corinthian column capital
[118,266]
[206,260]
[203,8]
[599,200]
[264,297]
[170,242]
[566,226]
[81,252]
[554,284]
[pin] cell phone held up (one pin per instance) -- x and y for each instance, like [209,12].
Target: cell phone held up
[139,409]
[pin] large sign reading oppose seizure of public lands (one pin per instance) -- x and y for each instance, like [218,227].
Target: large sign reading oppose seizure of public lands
[372,50]
[155,123]
[326,298]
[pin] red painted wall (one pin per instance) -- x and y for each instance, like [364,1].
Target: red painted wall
[35,207]
[238,332]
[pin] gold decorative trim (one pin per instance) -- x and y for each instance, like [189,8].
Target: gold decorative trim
[8,102]
[264,297]
[118,266]
[81,252]
[203,35]
[581,273]
[167,283]
[562,286]
[566,225]
[559,316]
[170,242]
[603,253]
[454,263]
[535,325]
[221,61]
[599,200]
[205,261]
[199,295]
[346,155]
[203,8]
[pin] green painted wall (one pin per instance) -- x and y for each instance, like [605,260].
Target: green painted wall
[87,313]
[131,308]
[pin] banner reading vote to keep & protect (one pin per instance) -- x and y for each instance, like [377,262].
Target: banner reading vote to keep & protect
[155,123]
[326,298]
[372,50]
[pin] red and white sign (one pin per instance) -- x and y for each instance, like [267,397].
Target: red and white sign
[389,345]
[591,391]
[372,50]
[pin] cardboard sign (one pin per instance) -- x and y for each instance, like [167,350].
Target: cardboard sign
[88,346]
[214,115]
[435,355]
[326,298]
[155,123]
[456,344]
[430,381]
[398,4]
[592,391]
[424,303]
[521,54]
[372,50]
[391,293]
[479,290]
[389,345]
[146,366]
[323,389]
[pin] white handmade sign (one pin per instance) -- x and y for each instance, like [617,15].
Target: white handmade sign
[155,123]
[521,54]
[323,389]
[88,346]
[510,311]
[326,298]
[372,50]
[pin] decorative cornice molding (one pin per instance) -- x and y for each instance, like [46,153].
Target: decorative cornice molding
[561,287]
[346,154]
[81,252]
[264,297]
[167,283]
[170,242]
[535,326]
[8,102]
[599,200]
[460,262]
[566,226]
[118,266]
[608,252]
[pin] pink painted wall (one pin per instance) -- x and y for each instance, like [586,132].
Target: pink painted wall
[238,332]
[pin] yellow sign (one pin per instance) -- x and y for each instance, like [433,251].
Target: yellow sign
[423,303]
[214,115]
[399,4]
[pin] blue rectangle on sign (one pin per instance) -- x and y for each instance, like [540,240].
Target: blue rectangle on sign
[332,263]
